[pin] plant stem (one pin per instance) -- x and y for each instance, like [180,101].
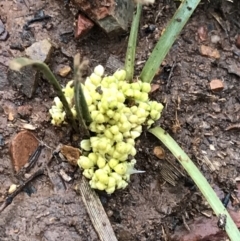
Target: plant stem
[132,42]
[19,63]
[166,41]
[199,180]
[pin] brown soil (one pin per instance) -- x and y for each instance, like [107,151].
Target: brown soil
[152,207]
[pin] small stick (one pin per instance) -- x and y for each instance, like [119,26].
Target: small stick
[10,197]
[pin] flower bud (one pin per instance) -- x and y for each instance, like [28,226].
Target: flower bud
[120,75]
[143,97]
[129,93]
[114,129]
[113,162]
[116,176]
[93,157]
[116,155]
[95,79]
[122,184]
[58,102]
[110,113]
[88,173]
[99,70]
[123,157]
[100,186]
[120,97]
[117,116]
[111,182]
[126,86]
[144,106]
[146,87]
[134,109]
[101,162]
[99,118]
[133,119]
[110,190]
[107,168]
[102,176]
[85,162]
[135,134]
[121,168]
[85,145]
[154,114]
[136,86]
[118,137]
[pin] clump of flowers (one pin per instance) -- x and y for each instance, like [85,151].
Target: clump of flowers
[118,110]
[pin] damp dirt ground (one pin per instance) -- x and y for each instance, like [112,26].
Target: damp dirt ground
[157,205]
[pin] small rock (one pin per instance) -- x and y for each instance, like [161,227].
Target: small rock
[216,85]
[216,107]
[65,176]
[209,52]
[10,110]
[202,33]
[113,63]
[64,71]
[26,80]
[72,154]
[28,126]
[237,43]
[159,152]
[21,148]
[83,26]
[24,111]
[40,51]
[111,16]
[215,39]
[12,188]
[154,87]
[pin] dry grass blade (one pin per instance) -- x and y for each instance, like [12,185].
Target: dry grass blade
[96,212]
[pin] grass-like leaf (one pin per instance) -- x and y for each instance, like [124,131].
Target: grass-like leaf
[199,180]
[18,63]
[166,41]
[132,42]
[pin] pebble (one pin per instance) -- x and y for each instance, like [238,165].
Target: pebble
[83,26]
[111,17]
[24,111]
[21,148]
[159,152]
[25,81]
[64,71]
[209,52]
[215,39]
[216,85]
[40,51]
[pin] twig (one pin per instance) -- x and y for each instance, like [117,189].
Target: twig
[10,197]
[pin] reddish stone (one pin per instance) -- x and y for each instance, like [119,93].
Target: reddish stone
[21,148]
[202,33]
[83,25]
[216,85]
[96,10]
[113,16]
[24,110]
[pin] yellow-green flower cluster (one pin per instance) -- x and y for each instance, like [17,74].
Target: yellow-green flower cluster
[119,110]
[57,113]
